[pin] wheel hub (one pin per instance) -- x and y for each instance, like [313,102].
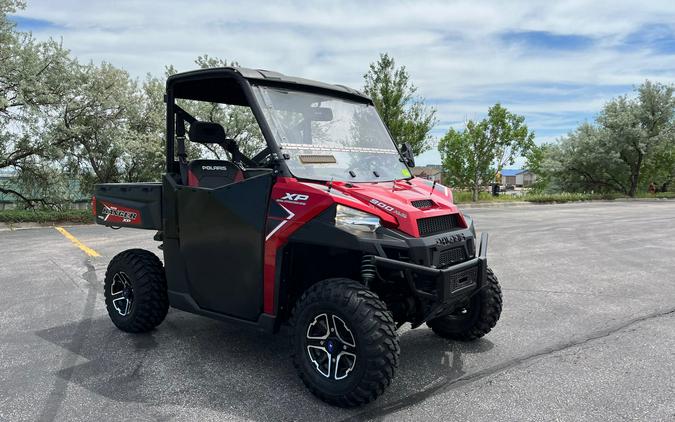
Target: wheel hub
[331,346]
[122,293]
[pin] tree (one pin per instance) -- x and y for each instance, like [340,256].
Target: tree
[535,159]
[631,144]
[34,78]
[637,127]
[113,130]
[472,157]
[394,96]
[583,162]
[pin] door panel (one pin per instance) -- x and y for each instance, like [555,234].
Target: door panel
[221,234]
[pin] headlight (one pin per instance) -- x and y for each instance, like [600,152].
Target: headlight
[352,219]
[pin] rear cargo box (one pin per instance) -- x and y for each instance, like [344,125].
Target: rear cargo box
[137,205]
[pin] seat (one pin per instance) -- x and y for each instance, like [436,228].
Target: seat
[213,173]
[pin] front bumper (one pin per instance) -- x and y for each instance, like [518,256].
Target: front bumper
[451,286]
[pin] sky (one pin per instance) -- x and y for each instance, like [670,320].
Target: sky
[556,63]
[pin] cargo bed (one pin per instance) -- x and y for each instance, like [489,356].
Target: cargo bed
[137,205]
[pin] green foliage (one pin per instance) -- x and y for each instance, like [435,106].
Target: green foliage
[394,96]
[472,157]
[542,198]
[631,144]
[535,158]
[34,78]
[46,216]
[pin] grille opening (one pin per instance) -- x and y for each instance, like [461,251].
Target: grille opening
[423,203]
[451,256]
[433,225]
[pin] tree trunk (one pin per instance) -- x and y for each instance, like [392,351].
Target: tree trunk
[635,177]
[474,191]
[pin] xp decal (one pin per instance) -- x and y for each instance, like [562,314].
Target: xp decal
[294,198]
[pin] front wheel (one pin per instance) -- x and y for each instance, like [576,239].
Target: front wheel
[344,342]
[477,318]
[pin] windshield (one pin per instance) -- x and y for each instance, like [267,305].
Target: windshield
[329,138]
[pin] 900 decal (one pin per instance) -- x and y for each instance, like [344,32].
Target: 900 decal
[388,208]
[112,213]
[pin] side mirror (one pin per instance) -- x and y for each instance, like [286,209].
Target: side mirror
[407,154]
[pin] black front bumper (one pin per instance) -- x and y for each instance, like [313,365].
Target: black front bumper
[452,286]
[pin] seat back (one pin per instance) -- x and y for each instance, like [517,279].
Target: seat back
[213,173]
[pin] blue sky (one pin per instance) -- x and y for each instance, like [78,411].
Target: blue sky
[556,63]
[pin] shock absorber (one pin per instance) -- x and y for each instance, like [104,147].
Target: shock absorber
[368,270]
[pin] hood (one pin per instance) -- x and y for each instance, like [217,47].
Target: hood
[399,204]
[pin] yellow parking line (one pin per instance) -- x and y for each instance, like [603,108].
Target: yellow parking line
[89,251]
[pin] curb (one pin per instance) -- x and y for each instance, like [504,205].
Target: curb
[4,227]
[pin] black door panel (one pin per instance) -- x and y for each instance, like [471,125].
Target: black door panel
[221,234]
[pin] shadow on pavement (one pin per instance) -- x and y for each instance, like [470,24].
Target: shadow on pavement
[193,362]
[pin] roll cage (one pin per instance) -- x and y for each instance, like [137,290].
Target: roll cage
[233,86]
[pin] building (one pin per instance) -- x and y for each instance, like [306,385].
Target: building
[517,177]
[430,172]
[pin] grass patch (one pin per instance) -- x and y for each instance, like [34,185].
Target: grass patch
[46,216]
[539,198]
[464,197]
[661,195]
[561,197]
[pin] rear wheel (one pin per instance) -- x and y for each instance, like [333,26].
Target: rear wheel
[135,291]
[477,318]
[344,342]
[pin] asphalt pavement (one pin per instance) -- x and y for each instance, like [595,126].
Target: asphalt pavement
[587,333]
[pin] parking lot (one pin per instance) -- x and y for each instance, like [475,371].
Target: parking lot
[587,333]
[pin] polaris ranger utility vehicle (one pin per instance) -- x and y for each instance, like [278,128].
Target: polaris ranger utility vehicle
[323,229]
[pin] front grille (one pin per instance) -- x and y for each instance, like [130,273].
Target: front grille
[442,223]
[451,256]
[423,203]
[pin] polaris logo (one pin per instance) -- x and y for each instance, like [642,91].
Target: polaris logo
[222,168]
[446,240]
[388,208]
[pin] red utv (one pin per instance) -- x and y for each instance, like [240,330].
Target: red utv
[323,229]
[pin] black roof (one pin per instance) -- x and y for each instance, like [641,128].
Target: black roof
[263,77]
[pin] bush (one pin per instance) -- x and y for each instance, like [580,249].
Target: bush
[540,198]
[559,197]
[46,216]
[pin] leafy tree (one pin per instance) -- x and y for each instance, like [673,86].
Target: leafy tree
[394,96]
[631,144]
[113,125]
[583,162]
[637,127]
[34,78]
[535,159]
[472,157]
